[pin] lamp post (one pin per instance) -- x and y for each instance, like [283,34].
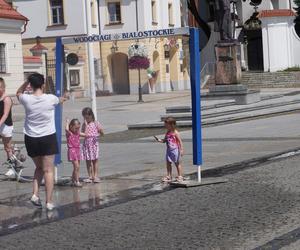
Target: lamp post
[114,48]
[90,58]
[140,100]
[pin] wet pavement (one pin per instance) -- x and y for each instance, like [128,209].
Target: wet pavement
[131,164]
[17,212]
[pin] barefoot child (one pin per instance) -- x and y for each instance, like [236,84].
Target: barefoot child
[174,150]
[73,141]
[90,148]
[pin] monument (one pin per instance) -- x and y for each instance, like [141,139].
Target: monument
[228,73]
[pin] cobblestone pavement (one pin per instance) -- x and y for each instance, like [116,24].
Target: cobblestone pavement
[252,210]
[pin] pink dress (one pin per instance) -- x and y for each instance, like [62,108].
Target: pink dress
[173,148]
[90,147]
[73,142]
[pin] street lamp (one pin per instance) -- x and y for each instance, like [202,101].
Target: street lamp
[39,50]
[167,50]
[114,48]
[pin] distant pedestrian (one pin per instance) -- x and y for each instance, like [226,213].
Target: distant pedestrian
[40,134]
[174,150]
[90,148]
[73,142]
[6,123]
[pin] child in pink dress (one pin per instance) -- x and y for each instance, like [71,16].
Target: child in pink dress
[73,141]
[174,150]
[90,147]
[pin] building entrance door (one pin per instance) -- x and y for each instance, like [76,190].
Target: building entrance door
[255,50]
[120,74]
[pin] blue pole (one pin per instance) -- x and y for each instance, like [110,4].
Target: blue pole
[58,91]
[196,98]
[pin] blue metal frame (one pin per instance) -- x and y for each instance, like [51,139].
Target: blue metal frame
[59,74]
[195,89]
[196,95]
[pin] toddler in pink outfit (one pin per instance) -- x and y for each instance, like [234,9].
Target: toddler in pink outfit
[73,142]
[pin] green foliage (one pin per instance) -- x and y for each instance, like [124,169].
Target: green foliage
[297,19]
[296,68]
[297,2]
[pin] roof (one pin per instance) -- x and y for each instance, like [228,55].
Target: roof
[8,12]
[276,13]
[32,59]
[38,47]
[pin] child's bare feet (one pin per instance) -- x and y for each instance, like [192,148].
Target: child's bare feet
[96,180]
[179,178]
[167,179]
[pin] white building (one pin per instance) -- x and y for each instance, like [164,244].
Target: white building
[49,19]
[120,16]
[268,36]
[11,58]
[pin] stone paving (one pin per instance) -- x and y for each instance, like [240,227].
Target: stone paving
[131,159]
[251,210]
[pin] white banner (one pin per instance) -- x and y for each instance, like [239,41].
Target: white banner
[126,36]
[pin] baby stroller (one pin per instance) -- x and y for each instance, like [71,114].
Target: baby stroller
[15,165]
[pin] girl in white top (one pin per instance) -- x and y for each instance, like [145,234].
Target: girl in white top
[40,134]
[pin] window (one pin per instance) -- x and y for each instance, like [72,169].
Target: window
[183,14]
[154,15]
[167,68]
[170,12]
[93,13]
[274,4]
[2,58]
[74,77]
[114,12]
[57,12]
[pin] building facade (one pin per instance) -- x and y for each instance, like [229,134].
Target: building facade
[266,32]
[49,19]
[12,24]
[166,55]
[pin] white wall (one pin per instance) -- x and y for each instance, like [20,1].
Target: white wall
[128,15]
[280,43]
[10,33]
[37,13]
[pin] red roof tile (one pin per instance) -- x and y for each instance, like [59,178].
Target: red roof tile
[32,59]
[38,46]
[8,12]
[275,13]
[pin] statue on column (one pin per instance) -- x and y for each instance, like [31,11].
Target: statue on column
[223,21]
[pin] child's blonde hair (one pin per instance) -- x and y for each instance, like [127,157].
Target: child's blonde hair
[171,121]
